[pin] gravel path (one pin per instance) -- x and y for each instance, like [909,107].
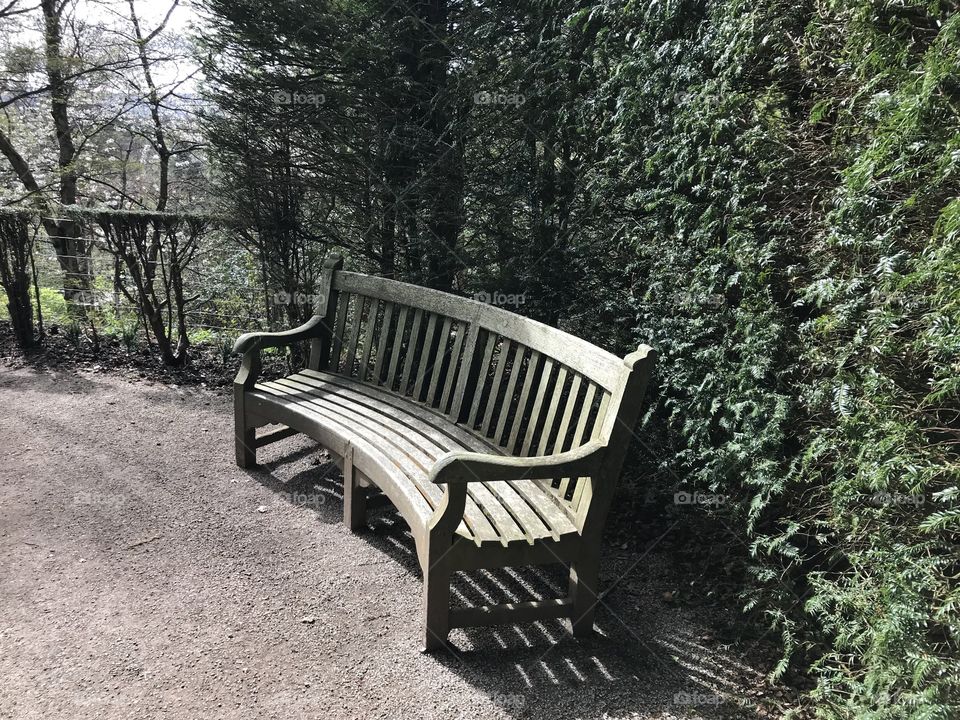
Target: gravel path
[143,575]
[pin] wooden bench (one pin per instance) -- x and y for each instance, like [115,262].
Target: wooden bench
[498,439]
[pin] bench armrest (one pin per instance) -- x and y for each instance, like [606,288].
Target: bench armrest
[457,469]
[466,467]
[259,340]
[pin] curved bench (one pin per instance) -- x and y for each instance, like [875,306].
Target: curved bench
[499,439]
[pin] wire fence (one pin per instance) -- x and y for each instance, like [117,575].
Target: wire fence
[223,297]
[129,275]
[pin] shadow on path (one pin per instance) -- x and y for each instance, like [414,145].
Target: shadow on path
[642,660]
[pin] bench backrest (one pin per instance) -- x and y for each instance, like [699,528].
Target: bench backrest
[526,387]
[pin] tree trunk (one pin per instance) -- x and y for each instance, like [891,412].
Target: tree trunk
[72,251]
[15,276]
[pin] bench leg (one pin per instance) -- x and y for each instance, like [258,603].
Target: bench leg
[436,604]
[246,450]
[354,496]
[584,576]
[245,436]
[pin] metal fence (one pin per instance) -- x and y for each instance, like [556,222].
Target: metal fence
[218,305]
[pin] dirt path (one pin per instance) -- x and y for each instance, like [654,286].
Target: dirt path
[143,575]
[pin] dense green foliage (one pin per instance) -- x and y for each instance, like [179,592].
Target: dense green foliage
[884,350]
[789,177]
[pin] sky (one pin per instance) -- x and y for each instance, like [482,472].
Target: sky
[183,20]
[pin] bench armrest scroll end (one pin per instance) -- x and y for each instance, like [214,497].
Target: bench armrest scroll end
[333,261]
[245,343]
[449,513]
[260,340]
[250,368]
[643,354]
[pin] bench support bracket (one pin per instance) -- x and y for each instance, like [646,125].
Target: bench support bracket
[354,494]
[584,578]
[245,431]
[436,601]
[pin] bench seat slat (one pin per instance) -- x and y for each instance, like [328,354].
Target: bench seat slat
[422,450]
[541,506]
[413,499]
[554,517]
[508,530]
[425,436]
[496,512]
[531,524]
[402,454]
[408,459]
[523,521]
[545,504]
[386,401]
